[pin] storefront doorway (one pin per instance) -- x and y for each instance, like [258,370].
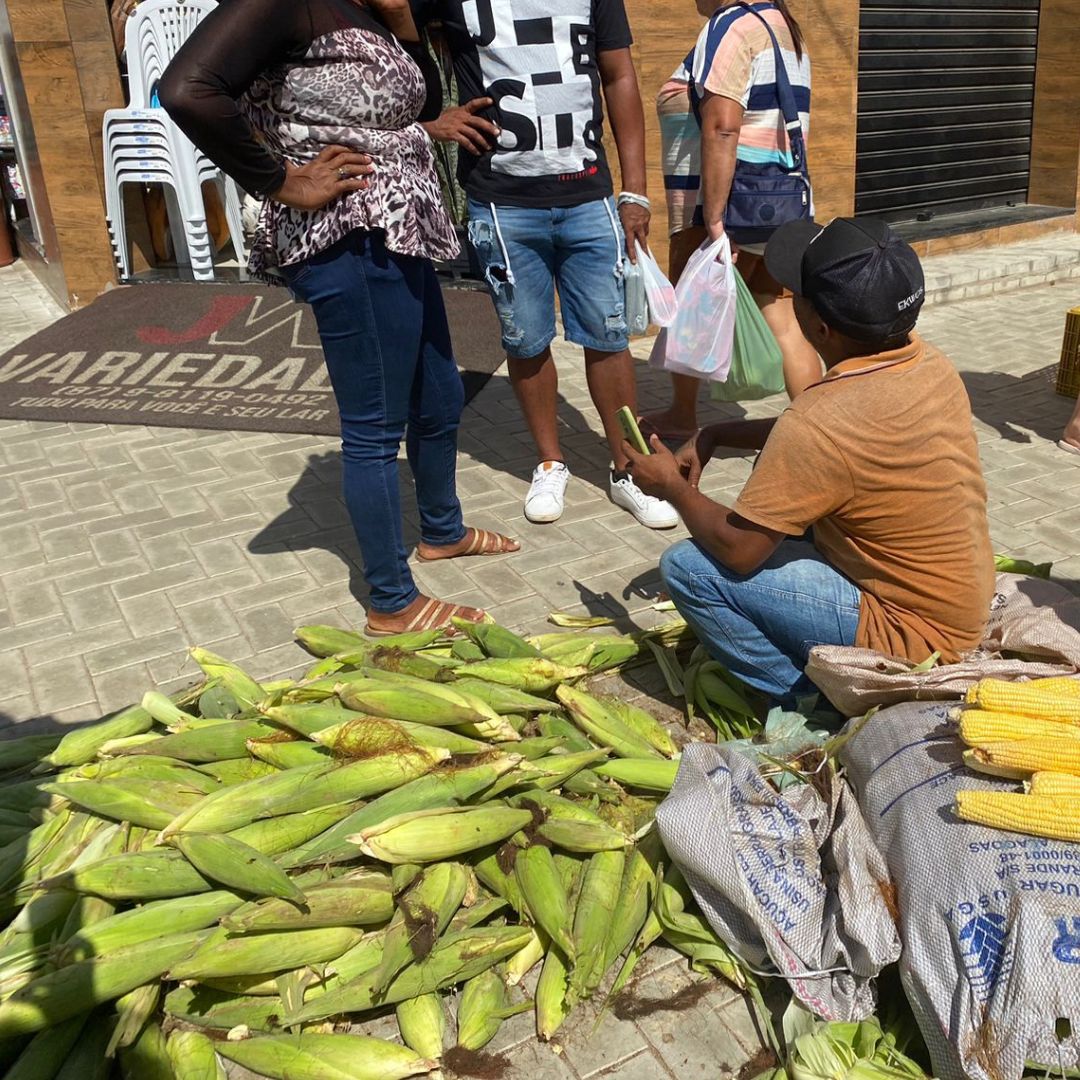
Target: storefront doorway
[946,97]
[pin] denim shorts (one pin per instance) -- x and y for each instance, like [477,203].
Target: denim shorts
[527,253]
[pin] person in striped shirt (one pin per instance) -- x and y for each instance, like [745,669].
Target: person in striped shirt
[732,72]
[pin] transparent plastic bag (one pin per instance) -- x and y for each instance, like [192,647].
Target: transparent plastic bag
[636,302]
[699,342]
[660,293]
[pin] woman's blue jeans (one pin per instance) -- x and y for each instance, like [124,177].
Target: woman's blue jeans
[384,333]
[762,626]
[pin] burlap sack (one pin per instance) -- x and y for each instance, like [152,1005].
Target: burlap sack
[989,920]
[1033,631]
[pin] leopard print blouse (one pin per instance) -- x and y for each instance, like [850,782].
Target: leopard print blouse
[359,89]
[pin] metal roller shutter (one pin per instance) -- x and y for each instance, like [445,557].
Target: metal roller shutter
[946,89]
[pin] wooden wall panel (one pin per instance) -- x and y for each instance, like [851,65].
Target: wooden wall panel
[68,67]
[1055,141]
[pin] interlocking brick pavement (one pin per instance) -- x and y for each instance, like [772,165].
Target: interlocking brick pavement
[120,546]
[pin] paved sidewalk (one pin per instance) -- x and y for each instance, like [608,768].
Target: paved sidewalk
[121,546]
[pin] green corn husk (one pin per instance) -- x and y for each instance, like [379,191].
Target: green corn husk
[455,959]
[447,786]
[642,724]
[533,675]
[466,651]
[543,892]
[149,803]
[310,1056]
[495,877]
[133,1011]
[244,689]
[193,1057]
[399,661]
[557,725]
[329,640]
[238,770]
[86,1059]
[644,774]
[219,1010]
[584,837]
[165,711]
[552,1001]
[80,746]
[307,718]
[236,865]
[525,959]
[278,835]
[504,700]
[594,920]
[61,994]
[215,742]
[259,954]
[496,641]
[483,1006]
[422,1023]
[366,900]
[48,1050]
[141,875]
[288,753]
[634,904]
[602,725]
[26,750]
[476,914]
[150,767]
[424,911]
[424,703]
[146,1058]
[434,835]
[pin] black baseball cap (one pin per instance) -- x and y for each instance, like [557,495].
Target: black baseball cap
[862,278]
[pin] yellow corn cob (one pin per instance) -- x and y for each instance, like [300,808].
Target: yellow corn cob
[193,1057]
[1060,754]
[259,954]
[1036,815]
[978,726]
[310,1056]
[1059,785]
[422,1023]
[433,835]
[1057,702]
[973,759]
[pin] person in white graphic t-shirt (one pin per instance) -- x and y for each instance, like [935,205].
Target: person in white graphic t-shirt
[535,76]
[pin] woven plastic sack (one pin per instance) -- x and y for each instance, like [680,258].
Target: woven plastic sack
[990,920]
[757,365]
[1033,632]
[791,882]
[699,341]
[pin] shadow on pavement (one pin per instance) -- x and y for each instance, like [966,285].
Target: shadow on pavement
[1009,403]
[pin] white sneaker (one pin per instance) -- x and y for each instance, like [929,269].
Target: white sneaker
[653,513]
[544,503]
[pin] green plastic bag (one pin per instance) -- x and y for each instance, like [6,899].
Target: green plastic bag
[757,366]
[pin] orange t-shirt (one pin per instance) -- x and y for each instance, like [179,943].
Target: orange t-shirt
[881,458]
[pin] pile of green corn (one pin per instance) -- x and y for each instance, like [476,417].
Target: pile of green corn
[244,871]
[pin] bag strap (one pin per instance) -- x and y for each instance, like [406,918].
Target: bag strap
[784,92]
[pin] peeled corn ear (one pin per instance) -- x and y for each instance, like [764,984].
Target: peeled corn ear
[978,726]
[1057,784]
[1036,815]
[1060,754]
[1059,702]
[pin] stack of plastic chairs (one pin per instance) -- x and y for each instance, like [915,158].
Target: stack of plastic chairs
[143,146]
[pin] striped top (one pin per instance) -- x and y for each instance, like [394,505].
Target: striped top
[733,58]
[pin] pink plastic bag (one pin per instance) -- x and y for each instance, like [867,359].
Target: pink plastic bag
[699,341]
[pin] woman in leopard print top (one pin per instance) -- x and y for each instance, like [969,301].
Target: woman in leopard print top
[314,105]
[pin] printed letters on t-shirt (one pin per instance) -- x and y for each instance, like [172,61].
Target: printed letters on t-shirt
[535,62]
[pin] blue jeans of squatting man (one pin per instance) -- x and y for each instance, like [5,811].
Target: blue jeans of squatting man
[762,626]
[384,333]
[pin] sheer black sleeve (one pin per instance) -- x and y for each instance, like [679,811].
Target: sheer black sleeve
[423,59]
[231,47]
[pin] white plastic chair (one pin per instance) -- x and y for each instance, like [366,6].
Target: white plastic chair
[142,142]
